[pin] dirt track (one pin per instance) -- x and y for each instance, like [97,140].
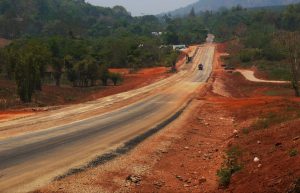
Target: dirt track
[249,75]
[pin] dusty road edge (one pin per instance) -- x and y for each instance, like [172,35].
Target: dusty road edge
[132,143]
[128,146]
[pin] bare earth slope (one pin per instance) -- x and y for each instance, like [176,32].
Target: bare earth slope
[228,113]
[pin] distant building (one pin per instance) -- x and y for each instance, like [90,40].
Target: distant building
[163,46]
[179,47]
[210,38]
[156,33]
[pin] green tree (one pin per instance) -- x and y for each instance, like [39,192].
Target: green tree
[291,43]
[27,62]
[69,63]
[9,59]
[291,19]
[25,75]
[115,77]
[92,70]
[104,74]
[192,13]
[28,75]
[57,62]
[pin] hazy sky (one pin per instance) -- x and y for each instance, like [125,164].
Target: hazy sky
[144,7]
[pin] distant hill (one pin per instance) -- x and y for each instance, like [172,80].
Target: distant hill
[213,5]
[58,17]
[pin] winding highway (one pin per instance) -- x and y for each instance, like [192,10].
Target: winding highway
[34,158]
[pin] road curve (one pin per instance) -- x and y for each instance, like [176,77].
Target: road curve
[30,160]
[249,75]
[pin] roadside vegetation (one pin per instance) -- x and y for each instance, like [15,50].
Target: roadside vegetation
[267,39]
[74,43]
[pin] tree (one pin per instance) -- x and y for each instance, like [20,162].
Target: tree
[192,13]
[171,60]
[25,75]
[57,65]
[291,43]
[92,70]
[71,73]
[115,77]
[27,63]
[291,19]
[73,76]
[57,59]
[81,74]
[9,59]
[171,38]
[104,74]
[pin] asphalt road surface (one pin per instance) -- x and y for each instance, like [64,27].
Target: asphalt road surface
[33,159]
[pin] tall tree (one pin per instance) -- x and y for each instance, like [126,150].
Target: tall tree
[92,70]
[291,19]
[27,62]
[192,13]
[57,59]
[291,42]
[9,59]
[104,74]
[115,77]
[27,75]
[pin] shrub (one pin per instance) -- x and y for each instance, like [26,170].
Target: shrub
[269,120]
[262,123]
[248,55]
[224,175]
[272,53]
[295,187]
[293,152]
[115,77]
[104,74]
[245,131]
[230,166]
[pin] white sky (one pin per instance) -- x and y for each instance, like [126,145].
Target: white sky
[144,7]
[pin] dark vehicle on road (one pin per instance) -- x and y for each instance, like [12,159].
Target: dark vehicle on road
[229,67]
[189,59]
[200,66]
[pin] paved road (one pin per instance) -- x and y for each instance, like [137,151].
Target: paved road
[33,159]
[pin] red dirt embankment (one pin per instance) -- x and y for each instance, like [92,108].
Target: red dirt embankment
[53,96]
[255,119]
[266,118]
